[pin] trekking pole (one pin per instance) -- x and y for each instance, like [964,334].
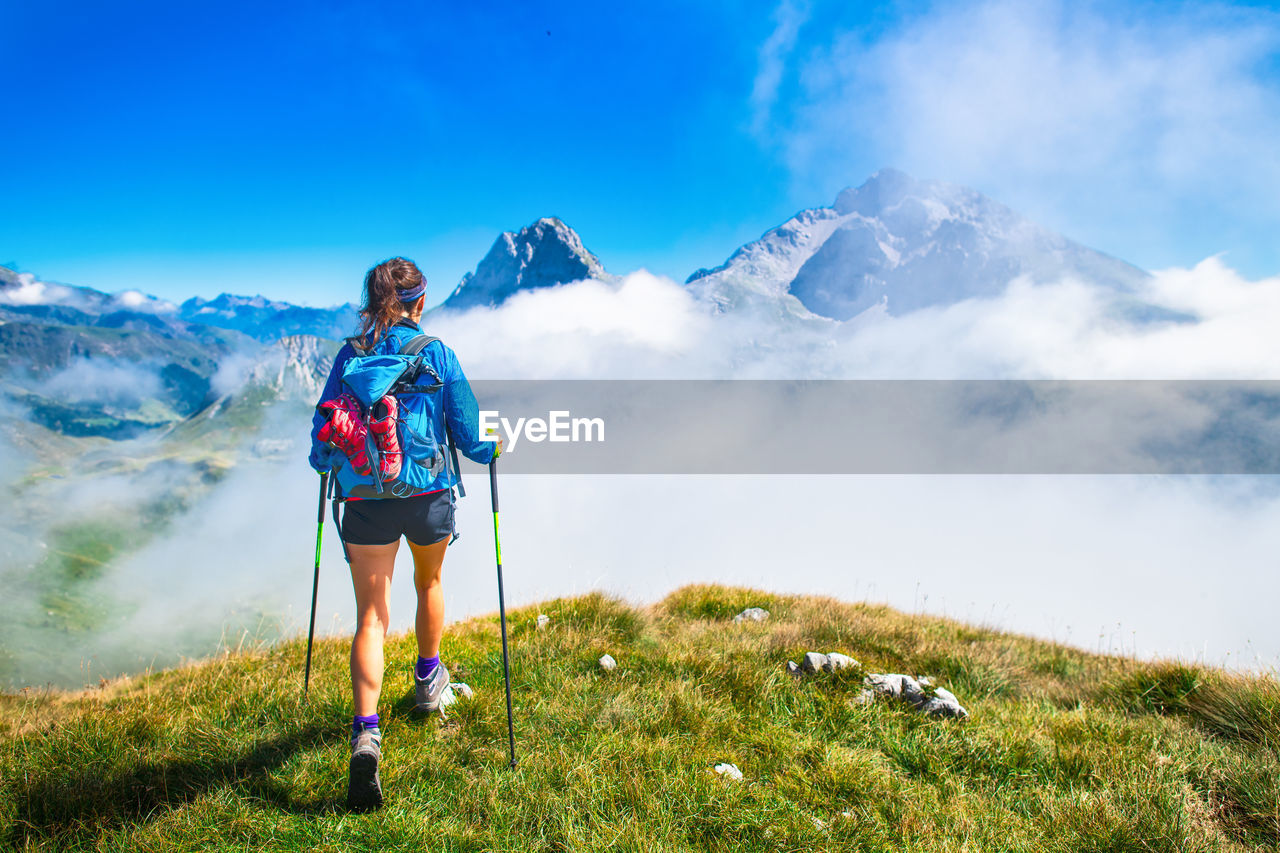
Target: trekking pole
[502,608]
[315,583]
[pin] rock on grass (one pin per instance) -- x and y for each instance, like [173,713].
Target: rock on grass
[729,771]
[830,662]
[455,692]
[942,703]
[752,614]
[813,662]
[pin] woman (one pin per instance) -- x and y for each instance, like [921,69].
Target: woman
[394,296]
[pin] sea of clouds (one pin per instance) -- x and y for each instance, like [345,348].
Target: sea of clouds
[1148,565]
[1145,565]
[1152,565]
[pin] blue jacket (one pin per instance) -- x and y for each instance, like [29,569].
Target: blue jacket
[459,410]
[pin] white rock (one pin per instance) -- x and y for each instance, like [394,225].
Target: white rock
[813,662]
[793,670]
[942,703]
[455,692]
[543,621]
[729,771]
[752,614]
[819,823]
[837,661]
[607,663]
[889,684]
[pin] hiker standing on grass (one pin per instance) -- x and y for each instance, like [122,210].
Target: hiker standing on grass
[394,296]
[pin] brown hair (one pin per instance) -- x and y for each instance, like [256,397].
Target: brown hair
[382,308]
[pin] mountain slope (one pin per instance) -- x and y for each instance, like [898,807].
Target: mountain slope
[905,244]
[99,380]
[1063,751]
[543,254]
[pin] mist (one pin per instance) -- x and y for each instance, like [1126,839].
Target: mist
[1142,565]
[1153,566]
[89,380]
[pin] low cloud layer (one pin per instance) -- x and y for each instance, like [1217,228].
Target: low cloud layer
[1156,565]
[1145,565]
[1219,325]
[97,380]
[29,291]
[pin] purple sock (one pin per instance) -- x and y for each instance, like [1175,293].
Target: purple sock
[426,665]
[359,724]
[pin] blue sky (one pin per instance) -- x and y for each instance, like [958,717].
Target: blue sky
[283,148]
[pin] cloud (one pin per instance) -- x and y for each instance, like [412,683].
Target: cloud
[136,300]
[96,380]
[585,329]
[1104,120]
[788,18]
[1069,330]
[29,291]
[237,368]
[181,592]
[1152,565]
[1113,563]
[1220,327]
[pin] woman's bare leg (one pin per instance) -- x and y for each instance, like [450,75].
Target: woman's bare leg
[428,561]
[371,570]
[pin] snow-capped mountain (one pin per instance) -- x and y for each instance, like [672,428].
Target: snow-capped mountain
[903,244]
[268,319]
[23,297]
[23,293]
[544,254]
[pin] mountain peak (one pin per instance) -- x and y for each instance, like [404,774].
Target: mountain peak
[904,244]
[884,189]
[546,253]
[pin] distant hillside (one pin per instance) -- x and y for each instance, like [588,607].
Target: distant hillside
[1063,750]
[25,297]
[267,319]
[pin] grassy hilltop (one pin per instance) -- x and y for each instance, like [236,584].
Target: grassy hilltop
[1064,750]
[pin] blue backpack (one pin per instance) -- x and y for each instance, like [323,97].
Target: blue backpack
[410,378]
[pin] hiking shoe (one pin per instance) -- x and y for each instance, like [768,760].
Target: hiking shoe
[364,790]
[382,423]
[429,690]
[345,430]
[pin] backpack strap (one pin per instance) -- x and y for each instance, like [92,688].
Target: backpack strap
[409,381]
[415,346]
